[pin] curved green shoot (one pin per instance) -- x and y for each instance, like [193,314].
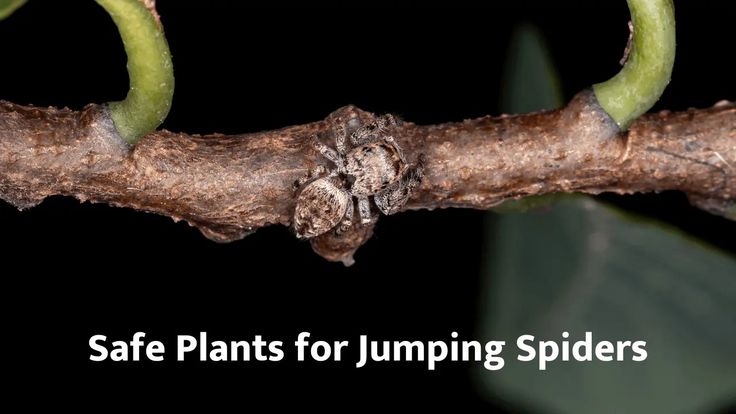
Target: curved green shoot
[7,7]
[150,69]
[646,73]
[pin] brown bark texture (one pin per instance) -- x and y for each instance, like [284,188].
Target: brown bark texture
[229,186]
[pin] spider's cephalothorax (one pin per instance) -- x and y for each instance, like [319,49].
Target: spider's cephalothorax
[373,166]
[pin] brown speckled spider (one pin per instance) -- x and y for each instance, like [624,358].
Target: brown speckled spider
[373,166]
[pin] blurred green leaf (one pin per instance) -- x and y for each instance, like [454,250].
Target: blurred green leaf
[580,266]
[525,204]
[530,81]
[7,7]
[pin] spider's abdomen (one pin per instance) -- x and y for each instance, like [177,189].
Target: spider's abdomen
[373,166]
[319,207]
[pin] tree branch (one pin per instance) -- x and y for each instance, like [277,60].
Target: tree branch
[229,186]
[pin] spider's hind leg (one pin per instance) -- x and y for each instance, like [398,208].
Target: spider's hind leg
[390,139]
[364,209]
[395,196]
[347,221]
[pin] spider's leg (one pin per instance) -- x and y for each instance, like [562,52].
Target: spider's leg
[347,221]
[341,135]
[372,130]
[327,152]
[363,134]
[330,154]
[395,196]
[364,209]
[413,175]
[390,139]
[311,175]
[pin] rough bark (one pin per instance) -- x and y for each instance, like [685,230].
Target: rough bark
[229,186]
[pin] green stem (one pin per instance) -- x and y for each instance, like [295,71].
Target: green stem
[7,7]
[641,81]
[150,70]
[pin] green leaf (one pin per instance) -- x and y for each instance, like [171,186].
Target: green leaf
[7,7]
[530,81]
[581,266]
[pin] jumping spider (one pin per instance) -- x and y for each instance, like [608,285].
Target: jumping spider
[373,166]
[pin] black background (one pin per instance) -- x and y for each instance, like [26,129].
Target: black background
[73,270]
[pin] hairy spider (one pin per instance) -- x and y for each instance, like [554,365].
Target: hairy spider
[373,166]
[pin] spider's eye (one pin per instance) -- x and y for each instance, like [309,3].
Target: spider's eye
[350,179]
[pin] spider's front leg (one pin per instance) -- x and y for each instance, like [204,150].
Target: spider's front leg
[330,154]
[372,131]
[341,135]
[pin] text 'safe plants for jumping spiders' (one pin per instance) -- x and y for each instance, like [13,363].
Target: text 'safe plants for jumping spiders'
[372,166]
